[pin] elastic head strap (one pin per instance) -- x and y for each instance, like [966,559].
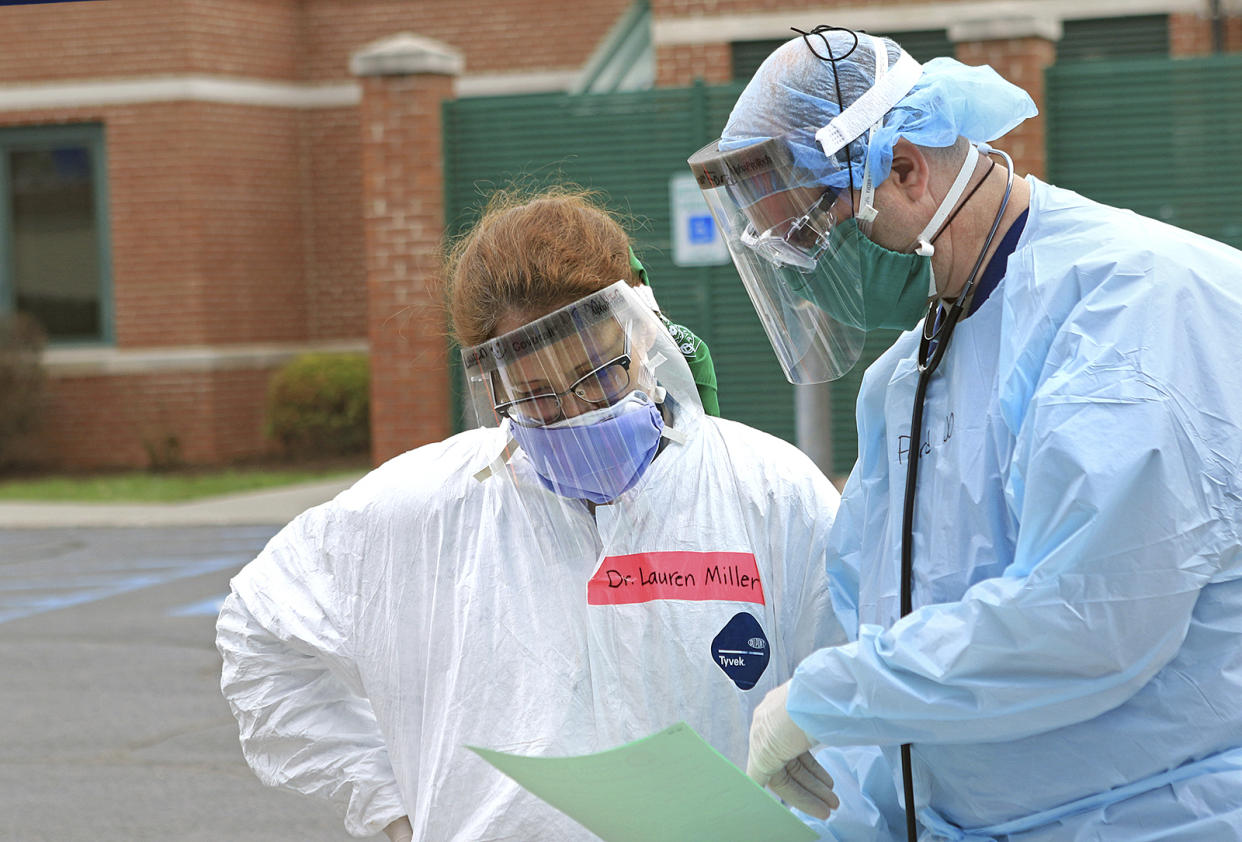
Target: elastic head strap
[646,296]
[925,247]
[497,465]
[866,206]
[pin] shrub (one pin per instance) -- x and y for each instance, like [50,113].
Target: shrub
[21,379]
[319,404]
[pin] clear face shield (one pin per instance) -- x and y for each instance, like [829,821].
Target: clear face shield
[586,392]
[786,207]
[801,267]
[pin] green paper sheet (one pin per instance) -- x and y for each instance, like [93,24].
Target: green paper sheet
[669,787]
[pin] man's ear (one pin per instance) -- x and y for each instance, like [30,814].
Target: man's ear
[910,172]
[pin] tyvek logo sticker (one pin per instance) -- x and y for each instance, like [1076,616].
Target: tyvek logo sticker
[741,650]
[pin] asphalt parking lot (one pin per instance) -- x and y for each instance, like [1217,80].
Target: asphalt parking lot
[113,726]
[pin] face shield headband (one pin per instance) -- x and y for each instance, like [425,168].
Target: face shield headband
[575,359]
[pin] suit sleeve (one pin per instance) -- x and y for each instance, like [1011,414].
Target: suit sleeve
[286,636]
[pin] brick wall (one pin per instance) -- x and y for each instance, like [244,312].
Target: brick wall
[678,66]
[191,417]
[1021,61]
[242,224]
[155,225]
[286,39]
[512,36]
[46,42]
[246,170]
[1189,35]
[819,11]
[243,37]
[1195,34]
[1233,34]
[336,305]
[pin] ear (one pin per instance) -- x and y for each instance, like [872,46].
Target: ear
[910,172]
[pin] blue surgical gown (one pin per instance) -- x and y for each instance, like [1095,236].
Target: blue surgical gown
[1073,666]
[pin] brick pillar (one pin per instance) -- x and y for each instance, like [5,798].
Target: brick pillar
[1019,49]
[1233,33]
[1194,33]
[405,79]
[1190,34]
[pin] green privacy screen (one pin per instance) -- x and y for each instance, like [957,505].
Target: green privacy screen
[924,45]
[1162,137]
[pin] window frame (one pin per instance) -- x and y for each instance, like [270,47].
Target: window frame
[39,138]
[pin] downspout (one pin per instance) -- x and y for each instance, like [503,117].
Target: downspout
[1218,28]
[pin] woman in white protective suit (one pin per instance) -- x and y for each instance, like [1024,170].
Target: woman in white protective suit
[1045,588]
[560,580]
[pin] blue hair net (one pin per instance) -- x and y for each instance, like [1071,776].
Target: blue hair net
[794,94]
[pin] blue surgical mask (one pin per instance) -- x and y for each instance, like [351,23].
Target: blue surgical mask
[598,455]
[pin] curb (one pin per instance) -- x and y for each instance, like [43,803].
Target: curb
[270,507]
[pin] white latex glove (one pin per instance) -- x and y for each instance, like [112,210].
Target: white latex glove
[780,758]
[400,830]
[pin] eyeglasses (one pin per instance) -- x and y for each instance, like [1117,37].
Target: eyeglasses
[796,241]
[600,387]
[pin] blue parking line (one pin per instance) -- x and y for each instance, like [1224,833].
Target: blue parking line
[20,599]
[203,608]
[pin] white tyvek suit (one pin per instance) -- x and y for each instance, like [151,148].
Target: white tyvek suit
[424,610]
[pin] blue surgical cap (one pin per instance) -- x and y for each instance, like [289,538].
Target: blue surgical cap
[794,94]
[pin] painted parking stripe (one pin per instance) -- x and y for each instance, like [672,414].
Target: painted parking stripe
[21,598]
[203,608]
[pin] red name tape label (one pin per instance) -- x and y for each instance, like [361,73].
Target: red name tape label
[643,577]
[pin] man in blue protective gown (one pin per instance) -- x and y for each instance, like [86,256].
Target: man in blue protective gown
[1049,615]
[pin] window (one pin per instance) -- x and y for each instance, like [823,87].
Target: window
[53,221]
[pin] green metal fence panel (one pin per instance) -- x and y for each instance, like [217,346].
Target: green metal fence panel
[1162,137]
[1096,39]
[923,44]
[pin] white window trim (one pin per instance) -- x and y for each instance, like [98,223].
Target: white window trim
[94,93]
[106,361]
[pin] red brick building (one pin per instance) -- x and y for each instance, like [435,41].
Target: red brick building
[194,191]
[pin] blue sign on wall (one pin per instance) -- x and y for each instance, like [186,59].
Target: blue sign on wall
[702,229]
[696,240]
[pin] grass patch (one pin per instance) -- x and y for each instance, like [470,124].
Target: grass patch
[164,487]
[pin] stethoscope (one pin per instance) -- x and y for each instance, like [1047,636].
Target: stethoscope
[938,326]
